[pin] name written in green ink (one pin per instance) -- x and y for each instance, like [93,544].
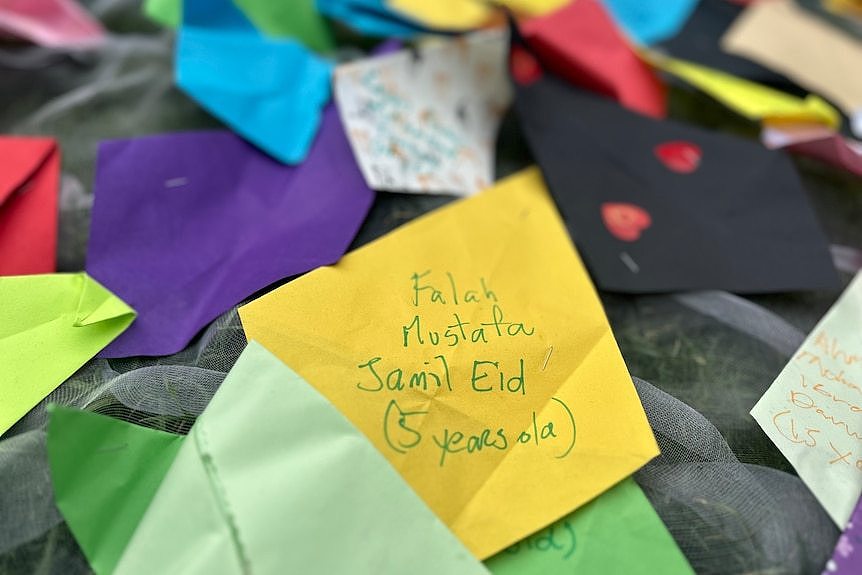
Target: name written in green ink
[486,375]
[406,429]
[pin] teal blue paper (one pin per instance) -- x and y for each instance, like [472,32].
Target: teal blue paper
[269,91]
[370,18]
[650,21]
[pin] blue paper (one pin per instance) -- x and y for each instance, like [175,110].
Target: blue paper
[371,18]
[269,91]
[650,21]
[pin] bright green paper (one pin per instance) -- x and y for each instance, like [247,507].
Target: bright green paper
[166,12]
[271,479]
[618,532]
[280,18]
[294,18]
[50,325]
[121,464]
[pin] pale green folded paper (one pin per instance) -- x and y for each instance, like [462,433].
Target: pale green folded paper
[271,479]
[50,325]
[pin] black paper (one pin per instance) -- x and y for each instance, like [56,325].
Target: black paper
[699,41]
[733,216]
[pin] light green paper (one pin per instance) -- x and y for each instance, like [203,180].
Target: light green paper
[121,466]
[271,479]
[51,325]
[298,19]
[813,409]
[618,532]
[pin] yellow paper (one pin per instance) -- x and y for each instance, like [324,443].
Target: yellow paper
[471,348]
[752,100]
[466,14]
[848,8]
[784,37]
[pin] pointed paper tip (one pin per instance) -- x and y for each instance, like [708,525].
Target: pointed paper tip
[96,304]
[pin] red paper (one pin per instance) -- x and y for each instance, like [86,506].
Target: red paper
[29,184]
[581,43]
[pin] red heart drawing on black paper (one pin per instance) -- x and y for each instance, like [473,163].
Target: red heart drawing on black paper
[680,157]
[524,66]
[625,221]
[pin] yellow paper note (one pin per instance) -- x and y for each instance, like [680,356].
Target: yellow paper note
[467,14]
[471,348]
[813,409]
[749,99]
[784,37]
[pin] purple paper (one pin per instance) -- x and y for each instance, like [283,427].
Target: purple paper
[847,557]
[187,225]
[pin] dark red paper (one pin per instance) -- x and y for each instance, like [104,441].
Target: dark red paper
[29,184]
[581,43]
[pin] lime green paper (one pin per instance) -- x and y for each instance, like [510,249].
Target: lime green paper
[618,532]
[280,18]
[271,479]
[51,325]
[121,464]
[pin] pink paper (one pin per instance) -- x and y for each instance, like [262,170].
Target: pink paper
[817,142]
[53,23]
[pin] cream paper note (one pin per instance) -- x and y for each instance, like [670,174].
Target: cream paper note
[426,121]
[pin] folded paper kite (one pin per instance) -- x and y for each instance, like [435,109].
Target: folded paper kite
[618,532]
[427,121]
[269,91]
[816,142]
[187,225]
[50,325]
[699,40]
[661,206]
[749,99]
[265,479]
[29,186]
[298,19]
[470,347]
[581,43]
[651,21]
[813,409]
[828,61]
[52,23]
[847,557]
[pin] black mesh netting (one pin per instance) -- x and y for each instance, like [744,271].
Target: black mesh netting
[727,495]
